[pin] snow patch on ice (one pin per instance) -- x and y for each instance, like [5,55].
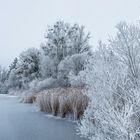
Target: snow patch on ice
[5,95]
[60,118]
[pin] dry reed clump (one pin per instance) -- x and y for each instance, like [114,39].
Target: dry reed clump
[55,104]
[78,102]
[65,108]
[44,102]
[63,102]
[29,99]
[25,96]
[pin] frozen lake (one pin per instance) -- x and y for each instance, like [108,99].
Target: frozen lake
[22,122]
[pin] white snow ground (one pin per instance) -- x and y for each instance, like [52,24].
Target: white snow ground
[22,122]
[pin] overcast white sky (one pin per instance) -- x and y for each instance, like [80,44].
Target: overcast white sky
[23,22]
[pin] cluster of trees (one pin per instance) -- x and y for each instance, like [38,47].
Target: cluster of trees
[112,77]
[62,56]
[3,80]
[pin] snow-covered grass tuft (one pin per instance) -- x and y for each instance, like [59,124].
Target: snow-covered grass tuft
[63,102]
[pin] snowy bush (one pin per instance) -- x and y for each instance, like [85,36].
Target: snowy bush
[77,80]
[46,66]
[38,85]
[112,81]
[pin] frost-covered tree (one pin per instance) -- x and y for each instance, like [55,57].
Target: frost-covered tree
[25,70]
[46,66]
[3,80]
[14,80]
[28,66]
[13,64]
[65,45]
[64,39]
[64,52]
[114,110]
[71,67]
[127,45]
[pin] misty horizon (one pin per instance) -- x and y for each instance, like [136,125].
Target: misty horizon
[24,23]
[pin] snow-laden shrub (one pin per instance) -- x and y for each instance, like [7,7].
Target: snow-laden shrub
[46,66]
[3,88]
[100,119]
[71,68]
[112,79]
[38,85]
[15,92]
[77,80]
